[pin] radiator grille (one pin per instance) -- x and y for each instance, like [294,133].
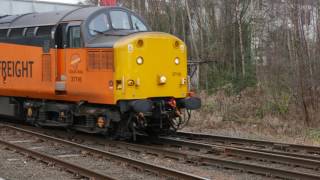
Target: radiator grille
[46,67]
[100,60]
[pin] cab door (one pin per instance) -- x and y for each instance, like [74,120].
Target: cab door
[68,40]
[61,48]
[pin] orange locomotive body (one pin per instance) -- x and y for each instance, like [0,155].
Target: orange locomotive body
[28,72]
[90,69]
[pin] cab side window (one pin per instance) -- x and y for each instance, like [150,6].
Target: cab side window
[60,36]
[138,25]
[3,33]
[30,32]
[16,33]
[44,32]
[74,37]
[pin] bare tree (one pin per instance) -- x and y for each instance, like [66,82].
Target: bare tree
[241,43]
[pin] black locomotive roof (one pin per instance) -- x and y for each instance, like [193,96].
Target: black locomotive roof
[83,14]
[6,20]
[50,18]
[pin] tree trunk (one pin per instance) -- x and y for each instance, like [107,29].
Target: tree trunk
[193,40]
[239,21]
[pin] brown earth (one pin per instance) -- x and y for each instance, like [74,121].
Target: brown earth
[250,115]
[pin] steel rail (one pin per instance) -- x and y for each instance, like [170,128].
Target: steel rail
[259,149]
[229,151]
[132,162]
[49,159]
[217,162]
[250,142]
[244,167]
[304,156]
[272,172]
[209,161]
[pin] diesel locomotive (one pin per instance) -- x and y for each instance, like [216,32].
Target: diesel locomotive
[93,69]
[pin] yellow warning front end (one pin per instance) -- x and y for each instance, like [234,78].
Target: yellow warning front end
[150,65]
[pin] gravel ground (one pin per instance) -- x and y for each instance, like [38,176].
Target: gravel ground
[246,160]
[203,171]
[78,157]
[252,133]
[122,171]
[14,166]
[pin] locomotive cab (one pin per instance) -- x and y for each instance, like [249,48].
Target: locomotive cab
[150,76]
[150,81]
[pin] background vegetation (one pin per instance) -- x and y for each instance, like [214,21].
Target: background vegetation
[265,52]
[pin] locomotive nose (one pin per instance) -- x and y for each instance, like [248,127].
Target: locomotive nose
[150,65]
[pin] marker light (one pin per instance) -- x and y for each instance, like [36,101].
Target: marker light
[177,61]
[140,43]
[176,44]
[140,60]
[183,81]
[162,79]
[130,82]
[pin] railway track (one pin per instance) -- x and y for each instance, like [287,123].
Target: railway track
[29,147]
[195,153]
[304,151]
[222,162]
[62,164]
[310,168]
[221,156]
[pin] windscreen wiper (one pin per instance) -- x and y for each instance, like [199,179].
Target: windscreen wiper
[97,31]
[114,33]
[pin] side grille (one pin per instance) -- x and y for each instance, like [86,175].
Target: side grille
[100,60]
[46,67]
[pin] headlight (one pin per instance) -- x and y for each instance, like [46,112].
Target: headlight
[140,60]
[162,79]
[177,61]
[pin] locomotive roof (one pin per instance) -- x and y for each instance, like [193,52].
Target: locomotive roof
[49,18]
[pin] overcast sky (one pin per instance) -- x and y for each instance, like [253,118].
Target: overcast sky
[64,1]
